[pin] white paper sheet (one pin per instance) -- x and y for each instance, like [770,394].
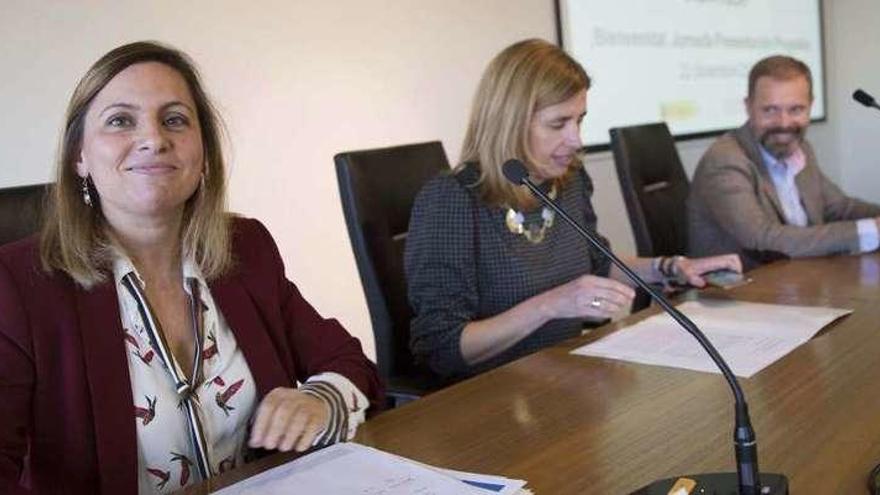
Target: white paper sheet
[750,336]
[488,483]
[350,468]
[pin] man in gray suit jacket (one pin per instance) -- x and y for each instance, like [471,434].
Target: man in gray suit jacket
[758,189]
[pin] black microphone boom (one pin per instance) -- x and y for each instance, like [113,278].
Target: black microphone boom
[745,446]
[865,99]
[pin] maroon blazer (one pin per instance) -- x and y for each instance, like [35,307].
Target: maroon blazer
[67,422]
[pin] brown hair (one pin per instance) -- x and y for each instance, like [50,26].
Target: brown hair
[74,237]
[525,77]
[779,67]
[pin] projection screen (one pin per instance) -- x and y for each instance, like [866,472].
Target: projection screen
[685,62]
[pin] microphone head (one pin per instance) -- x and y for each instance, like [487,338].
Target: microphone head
[515,171]
[863,98]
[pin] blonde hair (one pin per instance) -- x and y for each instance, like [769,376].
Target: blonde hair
[525,77]
[75,237]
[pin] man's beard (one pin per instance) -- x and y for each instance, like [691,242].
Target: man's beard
[784,149]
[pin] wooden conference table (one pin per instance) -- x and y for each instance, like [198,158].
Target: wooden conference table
[574,425]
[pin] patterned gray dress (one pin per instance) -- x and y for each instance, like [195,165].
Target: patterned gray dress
[463,264]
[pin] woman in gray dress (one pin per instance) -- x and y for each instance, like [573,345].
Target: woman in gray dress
[491,274]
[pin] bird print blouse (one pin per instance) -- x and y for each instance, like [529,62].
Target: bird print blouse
[190,428]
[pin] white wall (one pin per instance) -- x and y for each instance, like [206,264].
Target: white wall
[849,144]
[298,81]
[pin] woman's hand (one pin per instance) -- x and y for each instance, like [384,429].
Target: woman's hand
[588,296]
[690,270]
[289,418]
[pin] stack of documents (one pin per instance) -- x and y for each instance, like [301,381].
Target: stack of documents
[750,336]
[348,468]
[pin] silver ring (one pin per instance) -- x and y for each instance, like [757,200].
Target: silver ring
[596,303]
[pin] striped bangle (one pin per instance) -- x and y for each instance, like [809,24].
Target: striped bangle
[666,267]
[337,427]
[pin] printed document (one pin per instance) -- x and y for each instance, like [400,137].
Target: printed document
[750,336]
[350,468]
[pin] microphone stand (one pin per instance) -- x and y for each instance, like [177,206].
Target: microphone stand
[747,479]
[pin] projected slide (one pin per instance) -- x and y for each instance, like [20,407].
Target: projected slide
[685,62]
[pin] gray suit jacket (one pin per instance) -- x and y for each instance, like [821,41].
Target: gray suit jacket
[733,207]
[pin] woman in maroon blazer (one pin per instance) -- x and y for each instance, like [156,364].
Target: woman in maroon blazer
[148,339]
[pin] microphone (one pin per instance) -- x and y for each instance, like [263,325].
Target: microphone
[746,480]
[865,99]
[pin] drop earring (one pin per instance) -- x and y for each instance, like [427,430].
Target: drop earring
[86,195]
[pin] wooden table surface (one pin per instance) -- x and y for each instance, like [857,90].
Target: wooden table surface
[573,425]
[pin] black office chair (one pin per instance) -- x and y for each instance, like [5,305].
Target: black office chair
[655,189]
[21,210]
[378,188]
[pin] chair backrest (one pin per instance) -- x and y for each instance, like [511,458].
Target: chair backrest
[378,188]
[21,210]
[655,187]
